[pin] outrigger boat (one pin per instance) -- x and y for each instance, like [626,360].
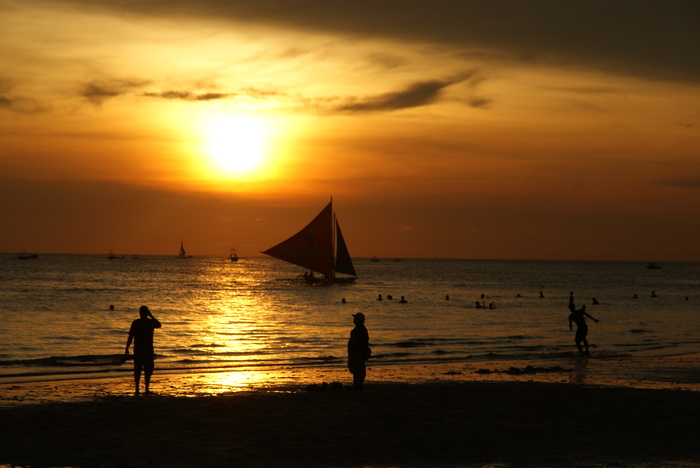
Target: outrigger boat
[320,247]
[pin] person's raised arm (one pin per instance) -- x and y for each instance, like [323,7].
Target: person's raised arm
[155,320]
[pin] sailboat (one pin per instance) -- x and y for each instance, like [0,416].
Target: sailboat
[320,247]
[183,252]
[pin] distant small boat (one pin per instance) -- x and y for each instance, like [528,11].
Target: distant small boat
[233,255]
[374,259]
[183,252]
[112,256]
[320,247]
[26,256]
[653,266]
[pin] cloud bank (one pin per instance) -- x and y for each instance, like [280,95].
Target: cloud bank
[647,38]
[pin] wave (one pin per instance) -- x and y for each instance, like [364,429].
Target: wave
[70,361]
[423,342]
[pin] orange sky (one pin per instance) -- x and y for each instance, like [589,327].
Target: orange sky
[546,130]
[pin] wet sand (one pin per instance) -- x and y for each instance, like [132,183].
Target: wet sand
[450,423]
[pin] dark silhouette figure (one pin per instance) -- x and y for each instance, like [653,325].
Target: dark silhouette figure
[141,333]
[403,300]
[579,318]
[358,351]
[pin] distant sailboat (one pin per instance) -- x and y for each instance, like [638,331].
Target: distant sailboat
[233,255]
[183,252]
[320,247]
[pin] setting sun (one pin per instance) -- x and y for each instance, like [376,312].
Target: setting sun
[236,144]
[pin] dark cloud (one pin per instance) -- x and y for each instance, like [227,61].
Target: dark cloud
[183,95]
[21,105]
[415,95]
[479,102]
[11,101]
[99,91]
[689,183]
[384,60]
[656,39]
[187,95]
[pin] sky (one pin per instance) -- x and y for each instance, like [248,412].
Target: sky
[499,129]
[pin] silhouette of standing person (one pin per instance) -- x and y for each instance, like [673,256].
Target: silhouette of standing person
[141,333]
[579,318]
[358,351]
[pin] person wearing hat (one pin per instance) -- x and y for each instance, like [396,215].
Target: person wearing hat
[358,351]
[141,333]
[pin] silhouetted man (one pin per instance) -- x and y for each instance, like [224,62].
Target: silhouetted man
[579,318]
[141,332]
[358,351]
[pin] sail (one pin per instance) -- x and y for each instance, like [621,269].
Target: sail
[182,249]
[312,247]
[343,262]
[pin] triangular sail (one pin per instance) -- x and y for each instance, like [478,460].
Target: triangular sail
[343,262]
[312,247]
[182,249]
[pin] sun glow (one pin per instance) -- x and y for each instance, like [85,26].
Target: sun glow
[236,144]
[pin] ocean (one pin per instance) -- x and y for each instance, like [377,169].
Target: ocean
[255,317]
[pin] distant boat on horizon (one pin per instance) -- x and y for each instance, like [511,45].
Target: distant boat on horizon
[112,256]
[183,252]
[25,256]
[320,247]
[653,266]
[233,255]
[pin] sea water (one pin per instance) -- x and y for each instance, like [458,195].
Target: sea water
[68,316]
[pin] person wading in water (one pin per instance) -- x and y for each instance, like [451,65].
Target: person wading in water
[579,318]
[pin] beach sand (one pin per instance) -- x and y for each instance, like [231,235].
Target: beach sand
[441,424]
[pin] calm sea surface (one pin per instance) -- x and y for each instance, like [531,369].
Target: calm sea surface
[255,314]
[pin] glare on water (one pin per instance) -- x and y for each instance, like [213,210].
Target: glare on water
[252,321]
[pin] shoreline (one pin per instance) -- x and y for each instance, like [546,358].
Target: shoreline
[679,372]
[450,424]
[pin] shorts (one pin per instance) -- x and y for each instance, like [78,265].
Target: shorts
[144,362]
